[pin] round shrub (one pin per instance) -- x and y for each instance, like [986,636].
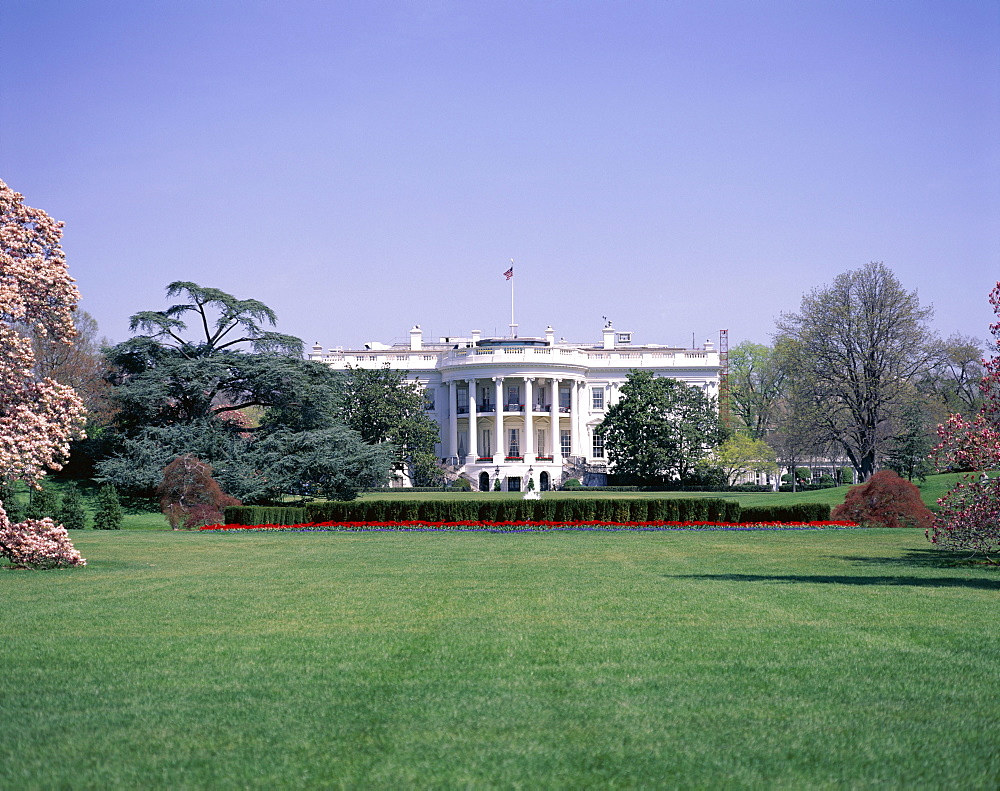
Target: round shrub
[886,500]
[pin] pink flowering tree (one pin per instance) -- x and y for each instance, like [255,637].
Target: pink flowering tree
[969,515]
[38,416]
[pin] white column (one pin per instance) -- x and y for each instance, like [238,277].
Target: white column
[556,452]
[529,433]
[473,423]
[501,450]
[453,419]
[574,411]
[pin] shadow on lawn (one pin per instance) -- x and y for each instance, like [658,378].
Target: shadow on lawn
[922,558]
[840,579]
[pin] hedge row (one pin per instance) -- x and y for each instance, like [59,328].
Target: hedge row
[701,509]
[266,515]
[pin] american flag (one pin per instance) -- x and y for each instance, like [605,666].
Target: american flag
[509,273]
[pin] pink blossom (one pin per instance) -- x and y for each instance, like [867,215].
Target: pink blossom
[38,416]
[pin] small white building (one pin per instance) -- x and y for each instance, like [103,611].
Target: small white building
[514,408]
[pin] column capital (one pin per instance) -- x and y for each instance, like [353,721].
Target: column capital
[497,378]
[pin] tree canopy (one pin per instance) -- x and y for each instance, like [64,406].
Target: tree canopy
[38,415]
[755,380]
[384,407]
[660,429]
[854,347]
[230,395]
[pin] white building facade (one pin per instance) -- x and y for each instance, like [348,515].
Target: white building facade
[514,409]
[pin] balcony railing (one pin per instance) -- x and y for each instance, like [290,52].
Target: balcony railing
[513,408]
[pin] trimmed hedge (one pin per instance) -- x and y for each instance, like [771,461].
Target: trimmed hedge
[611,510]
[265,515]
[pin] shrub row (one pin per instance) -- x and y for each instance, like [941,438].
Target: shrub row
[266,515]
[601,488]
[409,489]
[700,509]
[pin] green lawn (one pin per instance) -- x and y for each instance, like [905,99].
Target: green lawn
[840,659]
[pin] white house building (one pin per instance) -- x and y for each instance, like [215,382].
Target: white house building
[519,408]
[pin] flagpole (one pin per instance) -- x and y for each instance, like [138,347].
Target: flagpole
[513,326]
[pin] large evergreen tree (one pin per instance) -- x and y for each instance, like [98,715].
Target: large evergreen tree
[384,407]
[660,429]
[217,391]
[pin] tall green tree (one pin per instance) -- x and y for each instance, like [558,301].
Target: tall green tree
[108,512]
[913,439]
[855,346]
[383,406]
[71,513]
[740,455]
[756,382]
[660,429]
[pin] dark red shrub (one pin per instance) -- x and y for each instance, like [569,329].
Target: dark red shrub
[189,495]
[886,500]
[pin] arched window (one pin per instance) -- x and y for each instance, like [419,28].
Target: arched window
[543,481]
[484,481]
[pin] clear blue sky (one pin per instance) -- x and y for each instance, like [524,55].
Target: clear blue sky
[363,166]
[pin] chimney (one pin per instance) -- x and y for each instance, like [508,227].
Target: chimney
[416,338]
[609,336]
[550,336]
[475,337]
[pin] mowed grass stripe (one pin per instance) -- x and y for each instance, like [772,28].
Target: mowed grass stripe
[819,659]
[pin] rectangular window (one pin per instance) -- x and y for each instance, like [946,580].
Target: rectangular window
[540,442]
[485,445]
[463,399]
[597,398]
[428,398]
[598,446]
[514,442]
[564,400]
[513,395]
[565,442]
[463,442]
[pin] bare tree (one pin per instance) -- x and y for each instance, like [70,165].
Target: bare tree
[954,374]
[854,346]
[82,366]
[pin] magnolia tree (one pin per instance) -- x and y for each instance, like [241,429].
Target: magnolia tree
[38,416]
[969,517]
